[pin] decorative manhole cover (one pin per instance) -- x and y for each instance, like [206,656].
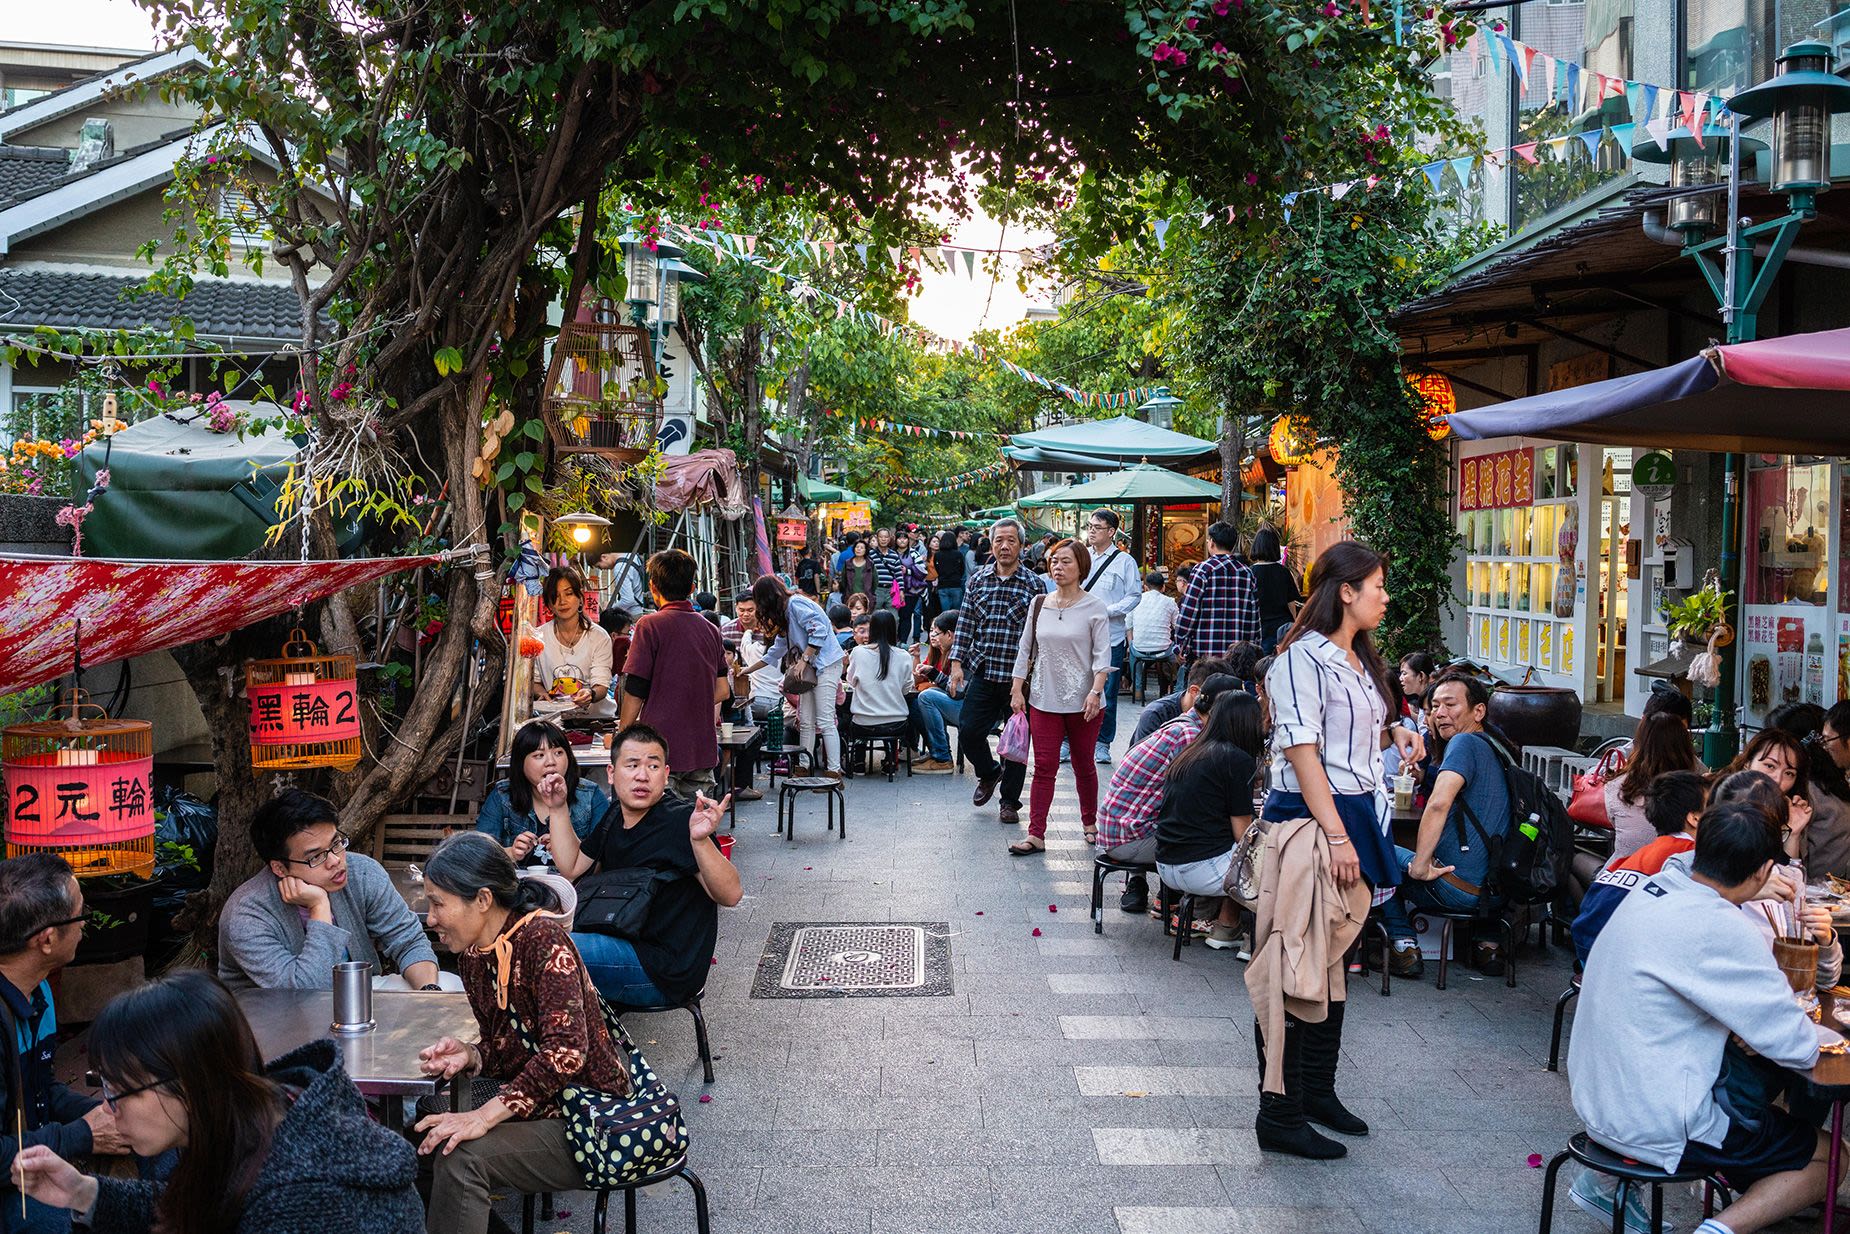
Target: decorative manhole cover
[849,959]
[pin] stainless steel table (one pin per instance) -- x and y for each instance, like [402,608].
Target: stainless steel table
[382,1063]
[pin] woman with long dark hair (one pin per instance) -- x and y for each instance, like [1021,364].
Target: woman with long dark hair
[1330,841]
[575,661]
[799,628]
[1782,758]
[1661,743]
[543,781]
[283,1149]
[522,973]
[1827,835]
[934,709]
[879,674]
[1208,804]
[1278,590]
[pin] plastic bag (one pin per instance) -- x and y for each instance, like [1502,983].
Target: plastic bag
[1013,744]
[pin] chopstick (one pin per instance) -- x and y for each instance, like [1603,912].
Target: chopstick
[19,1115]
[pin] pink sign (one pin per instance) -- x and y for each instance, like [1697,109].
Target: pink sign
[288,713]
[79,804]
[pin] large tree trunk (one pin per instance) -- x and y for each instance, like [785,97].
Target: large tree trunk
[1232,449]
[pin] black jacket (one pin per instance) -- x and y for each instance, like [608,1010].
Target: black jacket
[54,1114]
[330,1170]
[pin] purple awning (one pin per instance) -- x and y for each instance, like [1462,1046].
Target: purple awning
[1778,396]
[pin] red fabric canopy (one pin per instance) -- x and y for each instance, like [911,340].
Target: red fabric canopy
[129,608]
[1817,361]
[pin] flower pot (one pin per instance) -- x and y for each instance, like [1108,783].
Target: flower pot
[1537,715]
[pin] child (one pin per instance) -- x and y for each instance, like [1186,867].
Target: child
[1673,803]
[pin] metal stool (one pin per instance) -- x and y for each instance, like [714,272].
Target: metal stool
[889,737]
[1101,866]
[1182,903]
[1554,1041]
[787,803]
[1449,918]
[1373,924]
[1630,1173]
[600,1215]
[795,753]
[691,1005]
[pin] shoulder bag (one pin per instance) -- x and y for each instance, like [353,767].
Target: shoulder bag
[1588,804]
[799,674]
[1098,571]
[615,902]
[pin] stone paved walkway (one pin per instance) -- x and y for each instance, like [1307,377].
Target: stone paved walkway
[1072,1083]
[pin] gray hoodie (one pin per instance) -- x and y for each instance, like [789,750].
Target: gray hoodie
[1676,970]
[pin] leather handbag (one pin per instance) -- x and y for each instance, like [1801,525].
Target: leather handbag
[1588,804]
[799,674]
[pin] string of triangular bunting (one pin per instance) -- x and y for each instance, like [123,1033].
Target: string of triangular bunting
[874,425]
[744,248]
[950,484]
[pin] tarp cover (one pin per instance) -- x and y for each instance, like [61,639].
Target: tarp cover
[701,477]
[1786,395]
[129,608]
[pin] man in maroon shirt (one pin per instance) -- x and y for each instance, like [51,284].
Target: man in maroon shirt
[675,675]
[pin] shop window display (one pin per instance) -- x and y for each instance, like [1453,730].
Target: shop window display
[1786,583]
[1519,523]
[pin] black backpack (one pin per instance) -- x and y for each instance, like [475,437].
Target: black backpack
[1528,863]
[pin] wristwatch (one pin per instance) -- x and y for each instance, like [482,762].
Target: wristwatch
[432,986]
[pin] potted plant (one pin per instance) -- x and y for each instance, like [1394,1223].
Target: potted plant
[1700,615]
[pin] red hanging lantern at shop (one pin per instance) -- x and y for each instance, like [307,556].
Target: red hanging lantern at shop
[1437,401]
[81,786]
[1291,440]
[305,709]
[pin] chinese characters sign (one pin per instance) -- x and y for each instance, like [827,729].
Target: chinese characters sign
[52,803]
[1497,481]
[289,714]
[792,531]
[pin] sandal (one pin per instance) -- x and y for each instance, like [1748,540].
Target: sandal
[1091,835]
[1026,847]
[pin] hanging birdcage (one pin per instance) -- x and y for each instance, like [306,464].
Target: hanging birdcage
[81,786]
[601,395]
[305,709]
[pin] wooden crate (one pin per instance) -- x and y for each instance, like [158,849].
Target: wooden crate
[400,838]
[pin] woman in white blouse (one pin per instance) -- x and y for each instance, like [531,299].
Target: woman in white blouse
[1328,692]
[1060,673]
[575,660]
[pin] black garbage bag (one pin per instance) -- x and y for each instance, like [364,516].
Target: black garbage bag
[185,837]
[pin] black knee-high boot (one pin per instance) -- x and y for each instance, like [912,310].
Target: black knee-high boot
[1281,1124]
[1319,1048]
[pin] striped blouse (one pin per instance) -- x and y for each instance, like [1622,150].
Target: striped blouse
[1319,698]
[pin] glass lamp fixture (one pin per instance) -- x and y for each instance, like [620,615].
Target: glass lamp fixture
[1801,99]
[639,268]
[1160,409]
[1696,167]
[582,527]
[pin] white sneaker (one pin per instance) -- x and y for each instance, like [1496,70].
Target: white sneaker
[1101,753]
[1594,1193]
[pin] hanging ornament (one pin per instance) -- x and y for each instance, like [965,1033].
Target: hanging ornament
[1291,440]
[1437,402]
[81,786]
[304,709]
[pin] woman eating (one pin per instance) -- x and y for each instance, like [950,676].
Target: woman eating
[283,1148]
[1328,806]
[575,660]
[518,964]
[544,782]
[1059,680]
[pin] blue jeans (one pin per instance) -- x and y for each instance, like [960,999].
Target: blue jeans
[933,711]
[1415,894]
[616,972]
[1108,730]
[950,598]
[908,615]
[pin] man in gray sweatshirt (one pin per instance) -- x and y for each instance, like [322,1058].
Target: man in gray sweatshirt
[1677,969]
[314,905]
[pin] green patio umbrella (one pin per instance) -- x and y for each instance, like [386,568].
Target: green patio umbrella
[1138,482]
[821,490]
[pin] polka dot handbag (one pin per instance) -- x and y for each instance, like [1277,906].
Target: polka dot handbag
[618,1140]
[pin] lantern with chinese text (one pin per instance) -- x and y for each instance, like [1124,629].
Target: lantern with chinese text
[305,709]
[1437,401]
[81,786]
[1291,440]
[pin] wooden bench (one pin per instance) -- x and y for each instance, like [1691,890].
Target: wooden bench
[402,838]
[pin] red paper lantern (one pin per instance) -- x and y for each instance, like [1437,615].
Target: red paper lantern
[1437,401]
[82,787]
[305,709]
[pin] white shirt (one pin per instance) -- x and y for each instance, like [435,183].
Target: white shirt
[1119,584]
[767,682]
[877,699]
[1318,698]
[1153,623]
[591,656]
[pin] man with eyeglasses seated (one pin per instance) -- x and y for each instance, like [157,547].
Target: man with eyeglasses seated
[314,905]
[41,923]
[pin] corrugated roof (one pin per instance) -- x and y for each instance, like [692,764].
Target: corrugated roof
[219,308]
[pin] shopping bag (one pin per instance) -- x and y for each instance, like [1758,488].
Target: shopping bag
[1014,741]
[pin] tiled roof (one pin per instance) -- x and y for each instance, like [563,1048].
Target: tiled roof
[27,169]
[220,308]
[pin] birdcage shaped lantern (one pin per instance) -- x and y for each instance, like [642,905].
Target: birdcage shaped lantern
[305,709]
[81,785]
[601,391]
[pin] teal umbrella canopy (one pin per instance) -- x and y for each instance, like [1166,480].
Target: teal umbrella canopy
[1140,482]
[1120,437]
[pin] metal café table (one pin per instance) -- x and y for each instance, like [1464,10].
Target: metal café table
[729,749]
[1830,1079]
[382,1063]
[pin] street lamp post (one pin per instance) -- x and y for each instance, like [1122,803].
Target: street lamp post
[1800,100]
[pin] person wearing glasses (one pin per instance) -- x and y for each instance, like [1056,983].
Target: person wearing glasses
[41,922]
[314,905]
[282,1148]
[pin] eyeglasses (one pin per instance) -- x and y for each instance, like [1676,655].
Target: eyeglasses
[315,861]
[1826,739]
[79,919]
[111,1097]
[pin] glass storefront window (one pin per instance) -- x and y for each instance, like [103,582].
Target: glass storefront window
[1788,524]
[1731,43]
[1596,35]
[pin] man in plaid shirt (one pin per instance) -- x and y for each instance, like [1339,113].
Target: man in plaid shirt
[1221,606]
[1127,816]
[989,628]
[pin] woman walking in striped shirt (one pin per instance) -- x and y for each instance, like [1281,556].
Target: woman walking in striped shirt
[1328,692]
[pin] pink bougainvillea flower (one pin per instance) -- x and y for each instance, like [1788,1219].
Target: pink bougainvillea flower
[1252,178]
[1053,908]
[1220,9]
[1191,23]
[1535,1161]
[1330,9]
[1037,932]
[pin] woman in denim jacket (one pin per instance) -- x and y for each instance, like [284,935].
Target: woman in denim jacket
[544,779]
